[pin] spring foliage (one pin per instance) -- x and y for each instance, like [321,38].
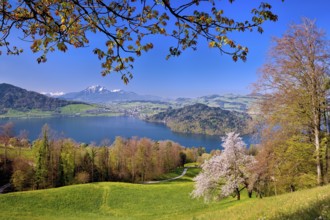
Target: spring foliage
[225,174]
[125,27]
[60,162]
[295,83]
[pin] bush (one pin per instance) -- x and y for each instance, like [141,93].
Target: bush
[18,179]
[23,173]
[82,177]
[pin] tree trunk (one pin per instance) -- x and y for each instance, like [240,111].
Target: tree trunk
[316,127]
[5,159]
[92,172]
[238,194]
[317,151]
[326,118]
[292,188]
[327,153]
[250,193]
[327,164]
[260,194]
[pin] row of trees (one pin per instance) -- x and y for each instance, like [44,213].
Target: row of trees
[63,162]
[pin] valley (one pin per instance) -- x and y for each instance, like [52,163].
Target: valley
[99,101]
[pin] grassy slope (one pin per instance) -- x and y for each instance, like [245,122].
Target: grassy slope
[159,201]
[104,201]
[76,108]
[302,205]
[19,114]
[69,110]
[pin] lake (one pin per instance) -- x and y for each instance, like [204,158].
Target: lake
[96,129]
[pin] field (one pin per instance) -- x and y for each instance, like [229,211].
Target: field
[73,109]
[76,109]
[32,113]
[171,200]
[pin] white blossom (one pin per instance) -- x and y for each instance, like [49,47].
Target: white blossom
[223,175]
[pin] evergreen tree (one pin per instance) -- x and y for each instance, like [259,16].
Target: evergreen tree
[42,159]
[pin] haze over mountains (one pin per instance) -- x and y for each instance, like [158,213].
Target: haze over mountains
[115,101]
[101,95]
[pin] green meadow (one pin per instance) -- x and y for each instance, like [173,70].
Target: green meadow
[169,200]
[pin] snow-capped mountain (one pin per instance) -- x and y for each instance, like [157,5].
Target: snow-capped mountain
[53,94]
[100,94]
[96,89]
[116,90]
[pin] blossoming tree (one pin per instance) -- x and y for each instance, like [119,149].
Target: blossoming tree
[225,174]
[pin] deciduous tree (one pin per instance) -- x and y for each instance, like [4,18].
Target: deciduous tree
[227,173]
[22,177]
[295,80]
[67,163]
[6,133]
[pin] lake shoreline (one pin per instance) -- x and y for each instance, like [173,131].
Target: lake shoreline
[98,128]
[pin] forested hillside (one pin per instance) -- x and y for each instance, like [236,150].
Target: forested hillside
[202,119]
[12,97]
[232,102]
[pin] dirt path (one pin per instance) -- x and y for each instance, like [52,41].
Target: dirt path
[161,181]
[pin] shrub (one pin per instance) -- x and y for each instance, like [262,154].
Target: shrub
[82,177]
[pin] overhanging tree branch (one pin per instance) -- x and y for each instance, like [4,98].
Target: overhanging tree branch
[125,25]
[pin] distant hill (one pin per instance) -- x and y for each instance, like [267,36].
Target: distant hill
[12,97]
[232,102]
[101,95]
[202,119]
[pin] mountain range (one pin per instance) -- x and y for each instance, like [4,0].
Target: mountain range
[118,102]
[101,95]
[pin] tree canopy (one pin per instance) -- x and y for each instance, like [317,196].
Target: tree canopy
[227,173]
[51,25]
[295,81]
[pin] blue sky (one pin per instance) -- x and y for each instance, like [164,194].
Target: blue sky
[193,74]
